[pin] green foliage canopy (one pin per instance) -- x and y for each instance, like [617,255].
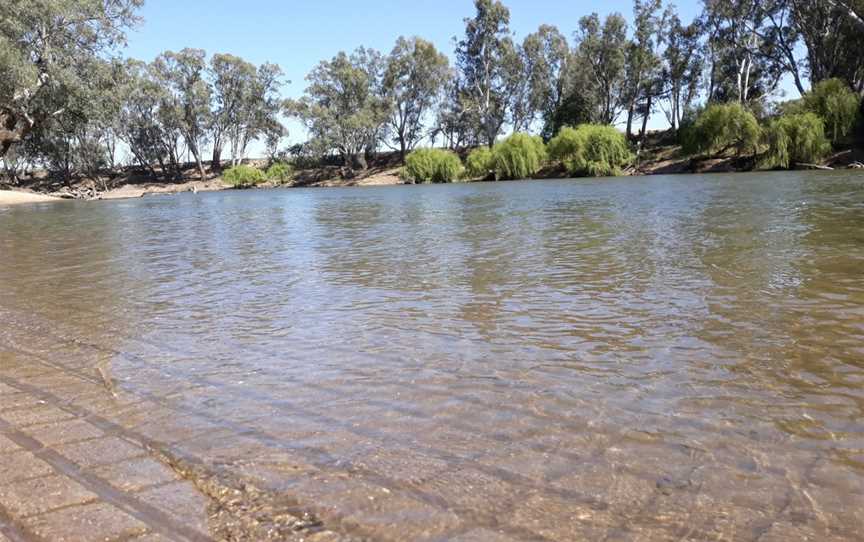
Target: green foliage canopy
[432,166]
[795,138]
[720,128]
[243,176]
[520,156]
[592,150]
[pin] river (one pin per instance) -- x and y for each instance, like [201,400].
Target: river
[659,358]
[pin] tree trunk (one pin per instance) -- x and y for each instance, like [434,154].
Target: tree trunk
[630,122]
[216,163]
[647,114]
[13,129]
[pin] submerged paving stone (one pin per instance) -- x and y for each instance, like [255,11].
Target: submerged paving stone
[101,451]
[64,432]
[181,501]
[21,465]
[35,415]
[135,474]
[40,495]
[88,522]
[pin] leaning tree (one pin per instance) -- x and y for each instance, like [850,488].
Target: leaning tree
[43,46]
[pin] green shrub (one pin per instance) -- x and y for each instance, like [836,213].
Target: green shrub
[279,172]
[480,163]
[518,157]
[836,104]
[720,128]
[795,138]
[242,176]
[432,166]
[592,150]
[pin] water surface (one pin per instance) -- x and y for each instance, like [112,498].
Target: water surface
[666,357]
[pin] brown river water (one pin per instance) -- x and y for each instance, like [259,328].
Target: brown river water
[664,358]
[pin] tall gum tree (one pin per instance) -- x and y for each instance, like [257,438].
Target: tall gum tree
[43,43]
[481,58]
[414,80]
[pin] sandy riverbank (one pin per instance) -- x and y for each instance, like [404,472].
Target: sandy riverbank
[13,197]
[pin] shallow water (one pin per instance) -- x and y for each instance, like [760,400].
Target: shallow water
[666,357]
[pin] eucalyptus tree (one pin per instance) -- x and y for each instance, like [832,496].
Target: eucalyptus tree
[548,63]
[683,63]
[455,122]
[144,132]
[344,108]
[43,46]
[231,78]
[642,62]
[601,52]
[258,114]
[482,57]
[833,34]
[744,60]
[187,98]
[415,76]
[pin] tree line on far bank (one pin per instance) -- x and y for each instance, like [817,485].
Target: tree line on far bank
[65,106]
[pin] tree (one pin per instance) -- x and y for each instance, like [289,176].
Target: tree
[745,63]
[343,107]
[150,140]
[833,34]
[231,76]
[482,58]
[682,66]
[601,50]
[188,97]
[642,61]
[414,78]
[547,65]
[43,46]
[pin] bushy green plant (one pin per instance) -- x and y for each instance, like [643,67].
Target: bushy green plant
[432,166]
[480,163]
[519,156]
[592,150]
[243,176]
[837,105]
[720,128]
[795,138]
[279,172]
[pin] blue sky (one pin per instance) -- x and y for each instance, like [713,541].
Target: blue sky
[297,34]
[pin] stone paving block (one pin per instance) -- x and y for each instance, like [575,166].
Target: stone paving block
[483,535]
[471,491]
[103,451]
[575,520]
[180,500]
[7,445]
[16,466]
[135,474]
[88,522]
[17,400]
[40,495]
[35,415]
[64,432]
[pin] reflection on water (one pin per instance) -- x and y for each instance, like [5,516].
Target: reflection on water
[677,357]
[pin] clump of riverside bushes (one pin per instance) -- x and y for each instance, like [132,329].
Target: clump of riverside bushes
[520,156]
[795,138]
[432,166]
[279,172]
[720,128]
[242,176]
[836,104]
[480,163]
[591,150]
